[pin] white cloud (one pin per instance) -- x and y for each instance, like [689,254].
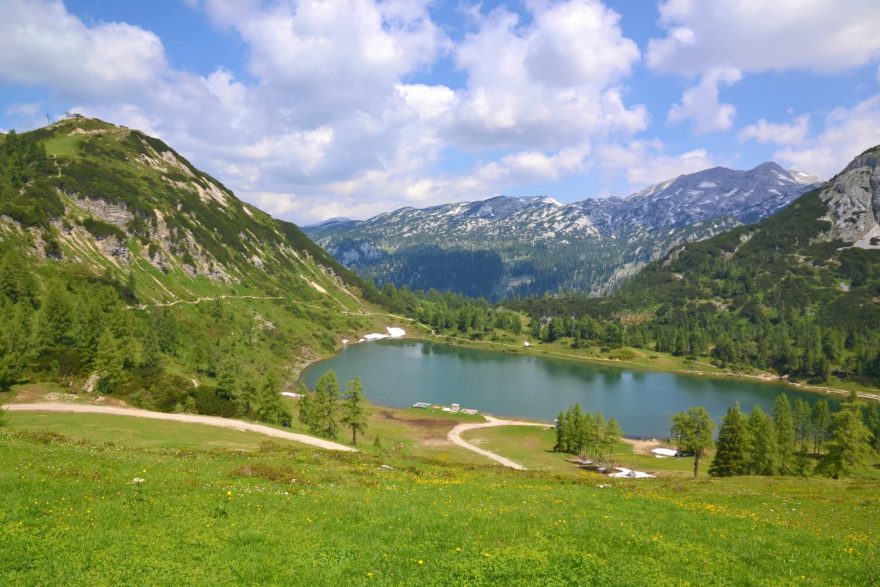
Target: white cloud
[847,132]
[547,83]
[700,103]
[328,57]
[646,162]
[755,36]
[332,122]
[42,44]
[778,134]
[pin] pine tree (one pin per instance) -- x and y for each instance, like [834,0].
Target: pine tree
[731,456]
[849,446]
[693,432]
[763,452]
[354,413]
[785,434]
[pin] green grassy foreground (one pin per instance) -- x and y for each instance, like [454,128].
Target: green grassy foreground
[70,513]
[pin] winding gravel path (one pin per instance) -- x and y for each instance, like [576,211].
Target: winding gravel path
[454,436]
[188,418]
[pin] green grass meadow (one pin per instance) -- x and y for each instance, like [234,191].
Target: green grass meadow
[72,513]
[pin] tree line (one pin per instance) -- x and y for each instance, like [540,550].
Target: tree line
[587,434]
[794,440]
[325,409]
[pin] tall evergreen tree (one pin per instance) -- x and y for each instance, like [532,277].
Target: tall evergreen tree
[561,444]
[692,430]
[849,446]
[354,411]
[763,451]
[732,453]
[326,400]
[803,417]
[53,320]
[821,424]
[783,419]
[268,404]
[109,363]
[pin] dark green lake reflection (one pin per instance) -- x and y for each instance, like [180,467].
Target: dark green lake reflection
[400,373]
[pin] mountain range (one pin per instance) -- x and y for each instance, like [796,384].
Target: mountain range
[506,245]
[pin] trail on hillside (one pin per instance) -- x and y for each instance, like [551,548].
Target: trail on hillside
[455,437]
[187,418]
[203,299]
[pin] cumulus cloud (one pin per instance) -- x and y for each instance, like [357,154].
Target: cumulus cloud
[777,133]
[847,132]
[330,120]
[700,103]
[547,82]
[752,36]
[647,162]
[42,44]
[331,57]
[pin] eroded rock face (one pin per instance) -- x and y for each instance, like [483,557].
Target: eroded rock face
[853,200]
[115,214]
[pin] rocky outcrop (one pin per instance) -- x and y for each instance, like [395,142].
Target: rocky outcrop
[115,214]
[853,201]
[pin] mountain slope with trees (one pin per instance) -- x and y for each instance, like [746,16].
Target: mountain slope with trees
[124,269]
[798,293]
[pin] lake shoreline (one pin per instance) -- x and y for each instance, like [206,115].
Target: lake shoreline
[537,351]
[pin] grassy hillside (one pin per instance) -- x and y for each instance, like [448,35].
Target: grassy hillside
[126,269]
[73,512]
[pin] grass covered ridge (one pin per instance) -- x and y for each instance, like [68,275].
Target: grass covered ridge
[71,512]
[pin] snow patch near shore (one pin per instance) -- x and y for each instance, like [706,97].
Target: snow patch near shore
[393,332]
[630,474]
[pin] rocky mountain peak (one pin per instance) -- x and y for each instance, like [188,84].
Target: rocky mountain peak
[853,201]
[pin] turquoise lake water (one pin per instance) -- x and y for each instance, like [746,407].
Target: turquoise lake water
[399,373]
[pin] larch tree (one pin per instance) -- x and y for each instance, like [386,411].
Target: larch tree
[326,400]
[109,363]
[560,433]
[763,452]
[612,437]
[354,410]
[849,445]
[693,432]
[732,452]
[803,417]
[783,419]
[821,424]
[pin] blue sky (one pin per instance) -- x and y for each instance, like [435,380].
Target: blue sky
[353,107]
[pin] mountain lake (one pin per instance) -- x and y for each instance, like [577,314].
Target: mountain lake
[399,373]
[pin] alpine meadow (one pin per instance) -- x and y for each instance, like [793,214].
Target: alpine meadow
[356,292]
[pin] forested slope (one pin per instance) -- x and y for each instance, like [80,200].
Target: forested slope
[124,268]
[797,293]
